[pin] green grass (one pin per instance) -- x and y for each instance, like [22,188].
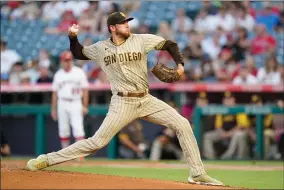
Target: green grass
[247,179]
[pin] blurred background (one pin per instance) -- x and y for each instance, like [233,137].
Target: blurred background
[232,90]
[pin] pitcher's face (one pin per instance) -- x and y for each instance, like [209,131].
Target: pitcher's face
[122,30]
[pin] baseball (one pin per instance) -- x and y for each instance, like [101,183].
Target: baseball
[74,28]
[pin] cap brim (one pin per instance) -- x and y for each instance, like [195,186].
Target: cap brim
[128,19]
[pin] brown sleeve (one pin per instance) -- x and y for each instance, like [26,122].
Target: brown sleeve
[76,48]
[173,50]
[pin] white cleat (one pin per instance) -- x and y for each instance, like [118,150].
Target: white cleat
[37,164]
[204,179]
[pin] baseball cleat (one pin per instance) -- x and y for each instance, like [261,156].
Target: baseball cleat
[37,164]
[204,179]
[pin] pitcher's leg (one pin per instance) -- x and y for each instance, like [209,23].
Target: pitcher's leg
[119,115]
[161,113]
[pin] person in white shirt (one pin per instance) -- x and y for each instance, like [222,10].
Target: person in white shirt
[245,77]
[269,74]
[182,23]
[53,10]
[225,20]
[70,84]
[8,58]
[201,22]
[245,20]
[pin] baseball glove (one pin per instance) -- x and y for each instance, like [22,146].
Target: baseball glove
[165,74]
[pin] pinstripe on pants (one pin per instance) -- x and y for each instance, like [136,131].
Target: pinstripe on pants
[121,112]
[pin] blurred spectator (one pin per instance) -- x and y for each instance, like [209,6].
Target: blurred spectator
[225,20]
[32,72]
[101,78]
[267,17]
[143,29]
[44,58]
[193,50]
[8,58]
[201,22]
[15,74]
[250,66]
[203,71]
[53,10]
[269,74]
[77,7]
[245,20]
[27,10]
[67,20]
[166,144]
[44,76]
[181,23]
[244,77]
[241,45]
[4,145]
[231,130]
[269,132]
[132,142]
[263,42]
[209,7]
[248,8]
[86,21]
[212,45]
[226,66]
[165,32]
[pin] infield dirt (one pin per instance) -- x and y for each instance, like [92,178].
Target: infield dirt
[14,176]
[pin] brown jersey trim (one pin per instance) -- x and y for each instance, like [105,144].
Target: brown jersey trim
[77,49]
[173,50]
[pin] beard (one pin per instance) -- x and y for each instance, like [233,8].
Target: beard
[123,35]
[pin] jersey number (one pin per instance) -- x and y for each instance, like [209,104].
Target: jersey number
[76,90]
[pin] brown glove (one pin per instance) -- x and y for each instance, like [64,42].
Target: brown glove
[165,74]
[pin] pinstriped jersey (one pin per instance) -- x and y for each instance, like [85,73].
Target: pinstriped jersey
[125,65]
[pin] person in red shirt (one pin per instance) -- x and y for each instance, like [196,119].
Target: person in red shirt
[67,20]
[263,42]
[250,65]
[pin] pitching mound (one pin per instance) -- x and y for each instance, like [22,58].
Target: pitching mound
[15,177]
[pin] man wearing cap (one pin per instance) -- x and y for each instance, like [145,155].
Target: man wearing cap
[231,130]
[123,57]
[70,89]
[269,132]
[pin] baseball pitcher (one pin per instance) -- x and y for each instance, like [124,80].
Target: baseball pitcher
[123,57]
[70,84]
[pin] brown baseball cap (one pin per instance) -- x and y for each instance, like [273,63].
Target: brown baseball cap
[117,18]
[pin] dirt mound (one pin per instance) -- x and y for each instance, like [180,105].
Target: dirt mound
[13,176]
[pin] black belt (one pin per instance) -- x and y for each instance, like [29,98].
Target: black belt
[133,94]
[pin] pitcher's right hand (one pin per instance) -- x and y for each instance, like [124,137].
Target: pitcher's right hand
[73,30]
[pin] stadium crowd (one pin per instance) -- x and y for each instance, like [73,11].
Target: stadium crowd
[222,42]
